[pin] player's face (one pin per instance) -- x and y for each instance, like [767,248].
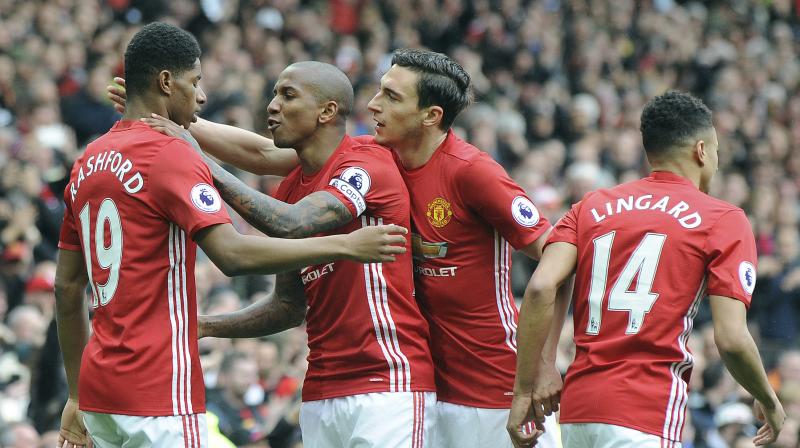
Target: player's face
[188,96]
[712,163]
[395,108]
[294,110]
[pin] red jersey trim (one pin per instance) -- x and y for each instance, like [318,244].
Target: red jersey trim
[679,390]
[155,412]
[179,320]
[385,330]
[67,246]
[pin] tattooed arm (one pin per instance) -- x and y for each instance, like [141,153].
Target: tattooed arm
[283,309]
[313,214]
[317,212]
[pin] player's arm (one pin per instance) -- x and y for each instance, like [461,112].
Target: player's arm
[315,213]
[243,149]
[283,309]
[535,320]
[237,254]
[318,212]
[73,333]
[740,355]
[548,380]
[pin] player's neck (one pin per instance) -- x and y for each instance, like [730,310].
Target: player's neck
[692,174]
[416,152]
[318,148]
[141,108]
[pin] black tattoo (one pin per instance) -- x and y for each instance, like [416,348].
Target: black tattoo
[283,309]
[315,213]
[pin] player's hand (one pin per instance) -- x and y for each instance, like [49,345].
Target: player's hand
[519,426]
[72,433]
[377,243]
[117,95]
[773,418]
[547,391]
[169,127]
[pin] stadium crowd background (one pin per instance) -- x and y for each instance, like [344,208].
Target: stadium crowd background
[559,86]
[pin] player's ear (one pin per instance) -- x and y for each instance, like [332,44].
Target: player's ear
[700,152]
[329,111]
[165,81]
[433,116]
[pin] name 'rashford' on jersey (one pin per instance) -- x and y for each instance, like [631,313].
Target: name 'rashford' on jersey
[365,331]
[466,214]
[135,200]
[648,252]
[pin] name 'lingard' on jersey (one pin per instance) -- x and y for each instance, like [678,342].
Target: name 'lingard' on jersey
[109,161]
[645,202]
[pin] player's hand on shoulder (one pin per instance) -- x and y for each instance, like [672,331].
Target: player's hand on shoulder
[377,243]
[172,129]
[773,416]
[116,93]
[72,433]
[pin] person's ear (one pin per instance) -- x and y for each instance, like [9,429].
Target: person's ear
[433,116]
[165,81]
[329,112]
[700,152]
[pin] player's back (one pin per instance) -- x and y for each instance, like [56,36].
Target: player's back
[126,206]
[648,252]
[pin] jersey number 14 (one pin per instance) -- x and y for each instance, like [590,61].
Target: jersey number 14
[108,257]
[639,302]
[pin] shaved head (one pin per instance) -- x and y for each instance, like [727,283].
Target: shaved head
[327,83]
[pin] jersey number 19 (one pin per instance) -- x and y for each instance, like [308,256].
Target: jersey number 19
[108,258]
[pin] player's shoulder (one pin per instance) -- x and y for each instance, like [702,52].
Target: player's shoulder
[366,148]
[460,152]
[367,159]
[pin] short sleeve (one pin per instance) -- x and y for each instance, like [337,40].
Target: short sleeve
[566,229]
[69,238]
[360,178]
[181,187]
[486,188]
[731,249]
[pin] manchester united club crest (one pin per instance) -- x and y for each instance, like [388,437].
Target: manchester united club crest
[439,212]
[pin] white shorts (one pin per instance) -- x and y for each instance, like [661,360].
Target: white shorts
[380,420]
[130,431]
[602,435]
[459,426]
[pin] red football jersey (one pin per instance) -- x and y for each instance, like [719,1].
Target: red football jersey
[134,202]
[365,331]
[466,214]
[648,252]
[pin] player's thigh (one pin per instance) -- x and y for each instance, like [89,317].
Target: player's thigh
[319,425]
[601,435]
[459,426]
[393,420]
[143,432]
[380,420]
[102,429]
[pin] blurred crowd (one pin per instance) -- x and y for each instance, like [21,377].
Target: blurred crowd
[559,86]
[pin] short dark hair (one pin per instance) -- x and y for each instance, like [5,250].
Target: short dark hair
[158,46]
[672,120]
[442,81]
